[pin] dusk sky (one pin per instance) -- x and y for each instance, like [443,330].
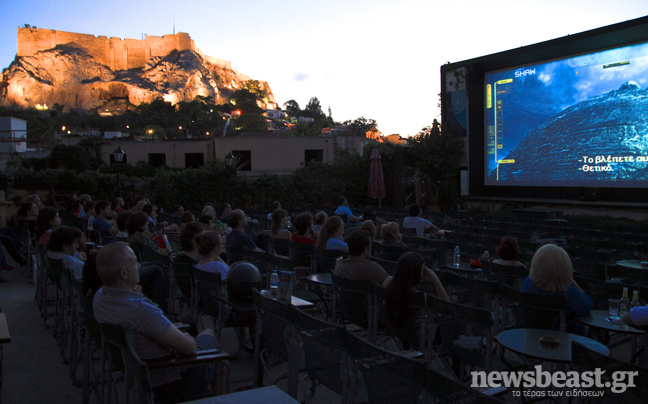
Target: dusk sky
[378,59]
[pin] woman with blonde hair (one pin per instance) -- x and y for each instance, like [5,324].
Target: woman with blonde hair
[390,235]
[552,274]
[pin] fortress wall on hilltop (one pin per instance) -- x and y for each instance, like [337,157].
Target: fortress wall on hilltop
[115,53]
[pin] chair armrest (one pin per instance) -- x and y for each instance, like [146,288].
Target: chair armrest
[201,358]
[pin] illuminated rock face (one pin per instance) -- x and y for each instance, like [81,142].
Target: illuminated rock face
[71,76]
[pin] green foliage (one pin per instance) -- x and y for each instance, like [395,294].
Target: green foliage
[292,107]
[436,154]
[254,87]
[251,122]
[246,101]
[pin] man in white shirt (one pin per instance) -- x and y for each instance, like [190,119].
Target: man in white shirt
[422,226]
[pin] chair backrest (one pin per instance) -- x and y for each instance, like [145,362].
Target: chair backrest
[355,300]
[303,255]
[387,265]
[388,377]
[511,270]
[279,246]
[183,274]
[471,291]
[323,349]
[120,342]
[258,258]
[234,254]
[532,311]
[390,253]
[466,332]
[208,285]
[274,318]
[326,261]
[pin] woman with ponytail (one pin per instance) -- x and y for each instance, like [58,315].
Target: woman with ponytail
[330,237]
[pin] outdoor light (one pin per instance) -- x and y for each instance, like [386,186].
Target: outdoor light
[63,128]
[229,160]
[119,154]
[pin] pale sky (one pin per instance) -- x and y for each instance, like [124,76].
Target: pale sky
[373,58]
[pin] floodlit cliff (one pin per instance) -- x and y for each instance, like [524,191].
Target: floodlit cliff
[80,73]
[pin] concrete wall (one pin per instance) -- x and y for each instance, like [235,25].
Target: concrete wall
[137,151]
[115,53]
[269,154]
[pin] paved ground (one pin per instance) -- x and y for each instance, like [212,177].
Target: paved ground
[34,372]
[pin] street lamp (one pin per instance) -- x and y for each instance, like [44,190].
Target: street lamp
[230,171]
[118,154]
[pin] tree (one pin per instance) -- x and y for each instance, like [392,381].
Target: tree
[255,88]
[314,110]
[435,153]
[292,108]
[251,122]
[246,102]
[360,126]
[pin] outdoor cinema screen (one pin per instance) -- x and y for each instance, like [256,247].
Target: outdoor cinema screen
[575,121]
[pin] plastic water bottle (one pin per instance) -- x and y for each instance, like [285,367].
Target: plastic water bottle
[274,284]
[486,256]
[457,257]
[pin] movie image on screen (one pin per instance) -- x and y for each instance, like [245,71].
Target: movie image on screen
[577,121]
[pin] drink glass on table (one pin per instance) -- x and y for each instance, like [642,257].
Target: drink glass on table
[614,308]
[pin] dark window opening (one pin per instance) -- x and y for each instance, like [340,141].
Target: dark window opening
[313,155]
[194,160]
[157,159]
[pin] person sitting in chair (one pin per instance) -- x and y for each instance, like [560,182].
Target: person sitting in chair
[422,226]
[358,266]
[119,302]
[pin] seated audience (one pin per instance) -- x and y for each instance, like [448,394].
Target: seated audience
[422,226]
[107,231]
[151,210]
[320,220]
[369,226]
[507,251]
[189,253]
[273,206]
[48,220]
[369,213]
[637,317]
[209,245]
[119,205]
[410,271]
[122,218]
[552,274]
[303,229]
[155,336]
[331,236]
[25,216]
[278,228]
[64,245]
[390,236]
[237,237]
[344,210]
[178,211]
[225,210]
[358,266]
[138,232]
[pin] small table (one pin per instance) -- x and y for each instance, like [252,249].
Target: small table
[262,395]
[632,264]
[526,341]
[464,267]
[597,319]
[323,279]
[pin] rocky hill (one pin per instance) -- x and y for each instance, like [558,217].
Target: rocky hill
[69,76]
[602,138]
